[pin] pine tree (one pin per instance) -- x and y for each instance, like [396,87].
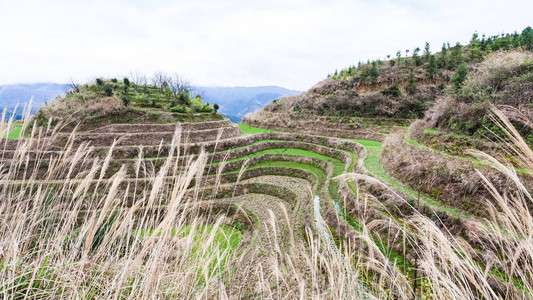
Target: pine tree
[457,55]
[416,57]
[431,67]
[410,88]
[527,38]
[443,61]
[474,49]
[373,73]
[488,49]
[399,56]
[427,52]
[459,76]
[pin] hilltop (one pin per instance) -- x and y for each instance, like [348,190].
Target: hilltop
[109,101]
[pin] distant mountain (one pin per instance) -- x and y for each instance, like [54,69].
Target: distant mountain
[13,94]
[235,102]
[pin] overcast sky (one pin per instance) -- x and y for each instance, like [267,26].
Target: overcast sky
[293,44]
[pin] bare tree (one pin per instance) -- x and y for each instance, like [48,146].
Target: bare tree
[138,78]
[179,84]
[199,93]
[161,80]
[72,87]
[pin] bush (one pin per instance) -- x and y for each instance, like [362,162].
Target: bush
[197,106]
[392,91]
[99,81]
[373,73]
[126,100]
[180,109]
[142,100]
[114,80]
[183,98]
[206,108]
[108,90]
[459,76]
[416,130]
[126,81]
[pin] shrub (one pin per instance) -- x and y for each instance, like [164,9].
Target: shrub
[459,76]
[440,111]
[126,100]
[373,73]
[99,81]
[431,67]
[108,90]
[215,108]
[416,130]
[180,109]
[142,100]
[393,91]
[206,108]
[183,97]
[126,81]
[114,80]
[197,106]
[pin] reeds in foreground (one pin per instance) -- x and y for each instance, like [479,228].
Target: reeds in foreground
[67,234]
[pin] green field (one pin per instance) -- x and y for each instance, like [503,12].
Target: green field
[15,132]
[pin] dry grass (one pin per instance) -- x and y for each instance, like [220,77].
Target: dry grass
[93,237]
[453,268]
[76,240]
[416,129]
[497,68]
[80,107]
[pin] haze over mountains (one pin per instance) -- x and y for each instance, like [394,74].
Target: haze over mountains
[20,94]
[234,102]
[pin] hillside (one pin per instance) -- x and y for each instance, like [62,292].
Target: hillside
[402,89]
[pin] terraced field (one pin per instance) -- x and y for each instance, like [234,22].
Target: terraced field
[255,179]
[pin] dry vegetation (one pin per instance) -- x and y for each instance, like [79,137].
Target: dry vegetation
[107,197]
[138,233]
[505,79]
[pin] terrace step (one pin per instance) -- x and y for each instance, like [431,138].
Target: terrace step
[139,128]
[150,138]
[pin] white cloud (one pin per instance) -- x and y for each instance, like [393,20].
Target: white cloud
[288,43]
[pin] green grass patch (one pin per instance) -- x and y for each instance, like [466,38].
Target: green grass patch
[251,130]
[321,176]
[290,151]
[15,132]
[375,169]
[226,240]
